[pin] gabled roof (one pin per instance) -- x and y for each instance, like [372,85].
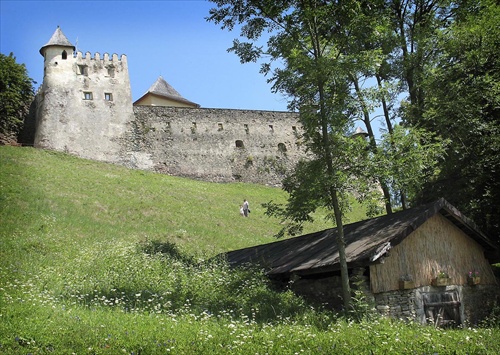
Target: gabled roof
[366,241]
[163,89]
[58,39]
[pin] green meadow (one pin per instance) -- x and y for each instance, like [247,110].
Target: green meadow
[100,259]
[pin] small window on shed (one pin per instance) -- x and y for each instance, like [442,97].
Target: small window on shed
[87,96]
[220,126]
[239,144]
[271,128]
[64,55]
[282,147]
[108,96]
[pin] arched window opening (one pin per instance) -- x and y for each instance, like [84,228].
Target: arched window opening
[239,144]
[64,55]
[282,147]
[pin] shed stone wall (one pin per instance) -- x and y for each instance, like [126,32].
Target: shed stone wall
[474,302]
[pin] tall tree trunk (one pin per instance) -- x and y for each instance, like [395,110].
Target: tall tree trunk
[373,143]
[344,271]
[384,106]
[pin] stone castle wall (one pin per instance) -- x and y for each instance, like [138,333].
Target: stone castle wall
[219,145]
[84,107]
[84,104]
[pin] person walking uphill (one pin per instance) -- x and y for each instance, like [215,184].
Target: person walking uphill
[246,208]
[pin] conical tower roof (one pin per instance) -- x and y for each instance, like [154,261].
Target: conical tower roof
[58,39]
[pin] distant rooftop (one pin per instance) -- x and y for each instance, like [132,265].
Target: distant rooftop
[164,89]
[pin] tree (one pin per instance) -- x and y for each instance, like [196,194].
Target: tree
[16,95]
[311,41]
[409,158]
[462,102]
[417,24]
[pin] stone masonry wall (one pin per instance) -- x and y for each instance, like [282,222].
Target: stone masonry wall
[475,302]
[220,145]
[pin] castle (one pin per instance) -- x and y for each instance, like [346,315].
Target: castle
[84,107]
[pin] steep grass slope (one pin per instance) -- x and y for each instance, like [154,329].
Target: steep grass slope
[83,201]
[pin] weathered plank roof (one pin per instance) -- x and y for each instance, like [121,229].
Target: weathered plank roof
[366,241]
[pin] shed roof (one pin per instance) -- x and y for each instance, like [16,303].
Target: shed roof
[366,241]
[163,89]
[58,39]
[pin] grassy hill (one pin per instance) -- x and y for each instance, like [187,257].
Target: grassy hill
[77,274]
[87,201]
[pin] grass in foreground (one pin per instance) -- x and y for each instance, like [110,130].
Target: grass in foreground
[97,259]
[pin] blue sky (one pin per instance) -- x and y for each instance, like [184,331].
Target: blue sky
[167,38]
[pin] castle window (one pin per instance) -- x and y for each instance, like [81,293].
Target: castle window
[108,96]
[271,128]
[294,129]
[82,70]
[111,71]
[64,55]
[193,128]
[282,147]
[239,144]
[221,127]
[87,96]
[247,131]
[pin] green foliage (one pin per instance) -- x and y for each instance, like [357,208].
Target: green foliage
[492,320]
[16,94]
[408,158]
[81,274]
[463,104]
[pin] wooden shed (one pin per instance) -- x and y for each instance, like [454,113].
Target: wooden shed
[427,263]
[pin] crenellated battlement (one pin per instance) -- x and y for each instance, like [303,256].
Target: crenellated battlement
[105,58]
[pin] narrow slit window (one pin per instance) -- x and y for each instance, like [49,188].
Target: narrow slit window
[64,55]
[271,128]
[87,96]
[220,126]
[193,128]
[247,130]
[108,96]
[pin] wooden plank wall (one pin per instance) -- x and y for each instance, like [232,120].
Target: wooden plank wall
[438,245]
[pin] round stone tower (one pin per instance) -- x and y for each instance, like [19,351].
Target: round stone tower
[84,103]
